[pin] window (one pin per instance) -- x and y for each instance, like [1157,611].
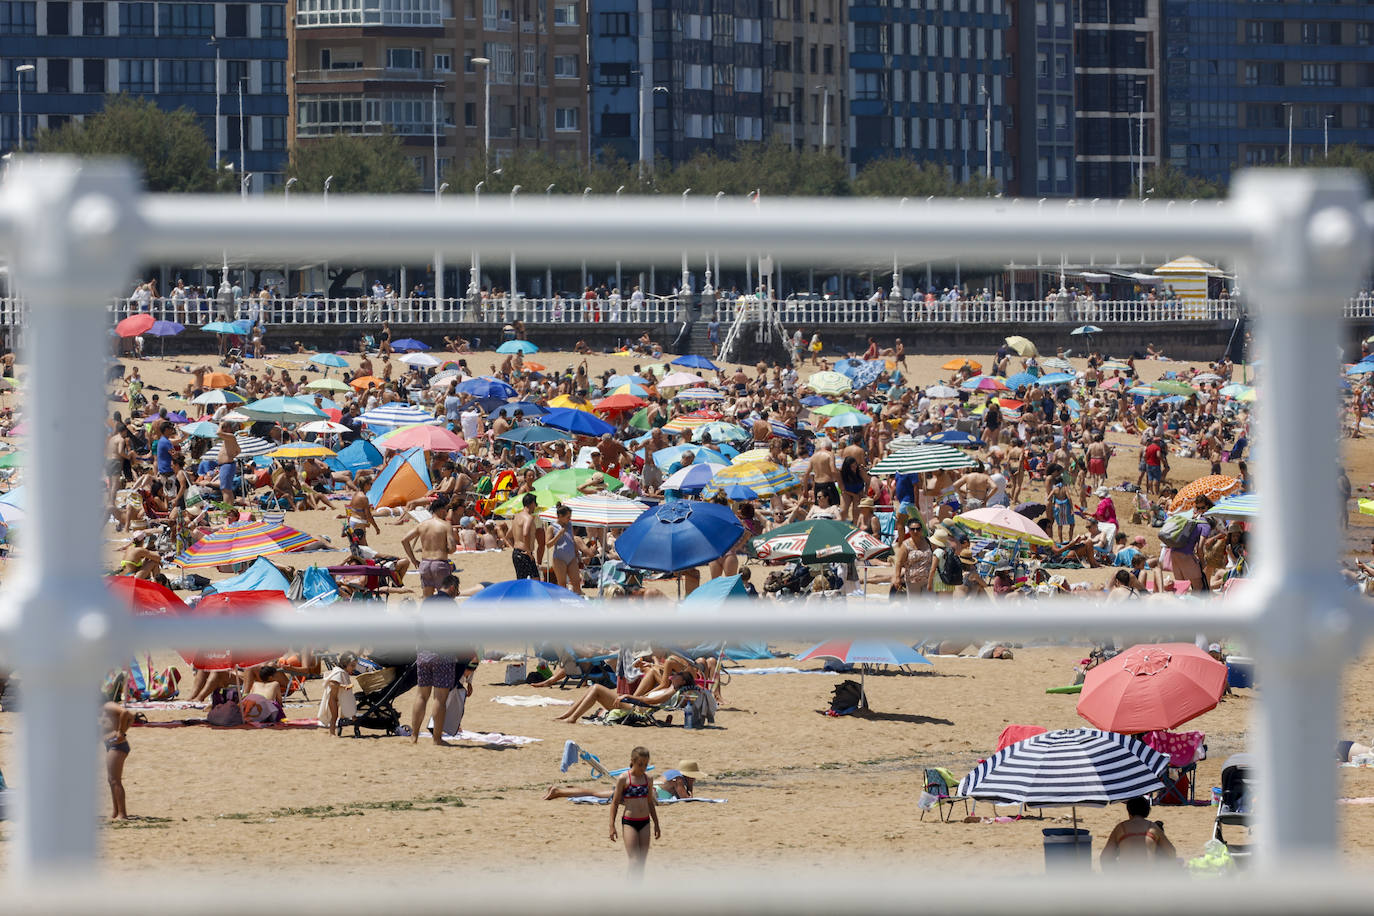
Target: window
[137,76]
[615,25]
[135,19]
[187,75]
[868,38]
[235,72]
[565,118]
[273,76]
[59,74]
[782,56]
[405,59]
[18,17]
[443,63]
[869,86]
[1042,13]
[1061,65]
[615,125]
[814,54]
[1042,65]
[93,19]
[236,20]
[1364,33]
[405,13]
[93,76]
[273,133]
[565,14]
[272,20]
[1321,74]
[1263,73]
[186,19]
[611,75]
[469,114]
[565,66]
[330,61]
[828,58]
[59,17]
[1321,33]
[10,79]
[468,65]
[1042,117]
[1264,32]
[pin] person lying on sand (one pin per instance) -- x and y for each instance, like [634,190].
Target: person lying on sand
[609,699]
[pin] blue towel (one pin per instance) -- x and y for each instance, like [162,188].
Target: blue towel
[570,754]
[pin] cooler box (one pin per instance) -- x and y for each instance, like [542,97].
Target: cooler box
[1067,849]
[1241,671]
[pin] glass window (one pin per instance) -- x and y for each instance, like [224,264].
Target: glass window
[136,19]
[566,118]
[272,20]
[615,24]
[405,59]
[59,17]
[93,75]
[611,74]
[565,14]
[93,19]
[236,20]
[59,74]
[18,17]
[273,76]
[273,133]
[1321,74]
[137,76]
[469,114]
[186,19]
[565,66]
[187,75]
[443,63]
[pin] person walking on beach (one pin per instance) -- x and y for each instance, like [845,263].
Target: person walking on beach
[435,535]
[527,539]
[635,790]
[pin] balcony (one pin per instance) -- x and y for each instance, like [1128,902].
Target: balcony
[372,74]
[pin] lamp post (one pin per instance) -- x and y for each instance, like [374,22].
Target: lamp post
[286,194]
[585,192]
[617,260]
[474,287]
[1326,135]
[1289,106]
[19,93]
[987,129]
[513,191]
[327,182]
[214,43]
[243,162]
[715,208]
[825,117]
[485,64]
[686,280]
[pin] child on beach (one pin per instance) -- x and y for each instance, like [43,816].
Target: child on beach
[115,721]
[634,790]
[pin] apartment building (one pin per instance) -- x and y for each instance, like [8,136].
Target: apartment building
[810,64]
[1117,94]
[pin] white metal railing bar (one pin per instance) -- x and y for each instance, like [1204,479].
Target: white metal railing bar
[1302,238]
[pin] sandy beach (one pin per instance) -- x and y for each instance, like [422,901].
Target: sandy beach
[800,788]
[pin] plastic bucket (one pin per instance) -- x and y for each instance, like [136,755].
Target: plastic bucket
[1067,849]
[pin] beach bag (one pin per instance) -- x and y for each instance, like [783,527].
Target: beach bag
[224,708]
[113,688]
[951,571]
[1179,531]
[516,673]
[847,696]
[165,685]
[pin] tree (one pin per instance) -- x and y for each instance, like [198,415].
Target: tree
[360,165]
[898,176]
[1350,156]
[168,146]
[1168,183]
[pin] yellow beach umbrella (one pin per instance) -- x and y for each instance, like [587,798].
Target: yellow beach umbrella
[567,400]
[1022,346]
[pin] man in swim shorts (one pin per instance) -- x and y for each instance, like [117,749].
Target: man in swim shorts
[435,535]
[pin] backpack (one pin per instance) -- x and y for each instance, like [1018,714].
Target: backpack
[951,571]
[224,708]
[847,698]
[1179,531]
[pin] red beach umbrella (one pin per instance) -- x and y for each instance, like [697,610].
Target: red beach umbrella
[135,325]
[1151,688]
[235,603]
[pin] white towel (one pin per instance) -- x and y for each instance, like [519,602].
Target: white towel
[495,738]
[593,800]
[734,671]
[530,701]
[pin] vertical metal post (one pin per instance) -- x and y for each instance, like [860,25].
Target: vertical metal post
[1312,247]
[74,252]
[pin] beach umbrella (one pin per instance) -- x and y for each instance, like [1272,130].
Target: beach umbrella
[249,447]
[363,382]
[1152,688]
[942,391]
[1058,378]
[569,481]
[301,450]
[679,379]
[1056,362]
[1214,486]
[615,381]
[525,590]
[425,437]
[569,402]
[833,409]
[763,477]
[486,387]
[407,344]
[221,380]
[526,408]
[242,542]
[1147,391]
[328,384]
[692,361]
[957,364]
[630,388]
[902,442]
[865,652]
[955,437]
[781,430]
[203,429]
[984,383]
[665,457]
[1003,522]
[228,604]
[1208,377]
[1114,365]
[1022,346]
[517,346]
[1088,329]
[738,492]
[419,361]
[1359,369]
[328,360]
[533,435]
[691,477]
[443,377]
[578,422]
[1242,505]
[829,383]
[135,325]
[144,596]
[217,396]
[240,327]
[818,540]
[699,394]
[1020,379]
[679,535]
[619,403]
[812,401]
[848,420]
[754,454]
[283,410]
[1072,766]
[234,416]
[323,427]
[396,414]
[686,422]
[922,459]
[164,329]
[720,431]
[600,510]
[1173,386]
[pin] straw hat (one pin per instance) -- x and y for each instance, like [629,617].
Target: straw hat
[866,503]
[692,769]
[939,537]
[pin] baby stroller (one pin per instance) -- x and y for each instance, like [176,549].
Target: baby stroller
[377,694]
[1237,799]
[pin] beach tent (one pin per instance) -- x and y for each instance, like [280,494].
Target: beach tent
[260,576]
[313,587]
[710,594]
[404,478]
[1188,276]
[359,456]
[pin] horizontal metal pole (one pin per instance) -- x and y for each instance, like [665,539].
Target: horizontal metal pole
[375,230]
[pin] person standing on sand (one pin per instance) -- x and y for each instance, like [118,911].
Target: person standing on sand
[635,790]
[228,459]
[115,722]
[435,535]
[526,538]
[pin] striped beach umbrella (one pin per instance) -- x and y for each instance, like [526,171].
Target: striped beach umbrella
[396,414]
[691,477]
[921,459]
[218,396]
[600,510]
[1243,505]
[698,394]
[721,432]
[243,542]
[829,383]
[631,388]
[1073,766]
[763,477]
[1056,362]
[818,540]
[249,447]
[301,450]
[685,422]
[754,454]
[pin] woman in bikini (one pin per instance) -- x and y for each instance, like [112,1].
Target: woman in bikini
[1137,841]
[635,790]
[115,722]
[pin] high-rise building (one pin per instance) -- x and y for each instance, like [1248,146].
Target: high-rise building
[1044,87]
[621,54]
[926,77]
[810,70]
[1116,75]
[1237,75]
[176,54]
[385,67]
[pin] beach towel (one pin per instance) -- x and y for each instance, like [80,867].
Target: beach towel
[530,701]
[184,723]
[593,800]
[734,671]
[492,738]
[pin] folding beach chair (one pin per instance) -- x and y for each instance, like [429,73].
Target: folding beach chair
[941,786]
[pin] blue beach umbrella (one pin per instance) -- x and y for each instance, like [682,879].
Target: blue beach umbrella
[851,419]
[679,535]
[576,421]
[814,400]
[692,477]
[517,346]
[692,361]
[526,408]
[283,410]
[1022,378]
[409,344]
[1058,378]
[329,360]
[486,387]
[1088,329]
[665,457]
[616,381]
[525,590]
[241,327]
[528,435]
[202,429]
[166,328]
[955,437]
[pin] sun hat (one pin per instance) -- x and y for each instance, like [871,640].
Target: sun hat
[1100,492]
[866,503]
[692,769]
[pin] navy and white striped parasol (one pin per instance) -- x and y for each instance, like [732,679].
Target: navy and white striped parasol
[1074,766]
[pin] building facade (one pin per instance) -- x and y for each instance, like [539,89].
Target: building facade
[1237,75]
[414,68]
[621,52]
[810,70]
[1117,90]
[1044,77]
[179,55]
[929,81]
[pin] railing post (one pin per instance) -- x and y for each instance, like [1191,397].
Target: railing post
[1312,246]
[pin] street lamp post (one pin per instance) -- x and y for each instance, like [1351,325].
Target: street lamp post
[286,194]
[511,296]
[987,129]
[243,161]
[825,117]
[485,64]
[1326,135]
[1289,106]
[19,92]
[617,260]
[585,192]
[327,182]
[214,43]
[474,287]
[548,268]
[686,280]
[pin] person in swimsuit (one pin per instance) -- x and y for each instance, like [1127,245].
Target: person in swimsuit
[115,722]
[228,458]
[634,790]
[564,564]
[1138,842]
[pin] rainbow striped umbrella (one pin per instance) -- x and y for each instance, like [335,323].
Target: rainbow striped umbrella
[684,423]
[243,542]
[763,477]
[301,450]
[600,510]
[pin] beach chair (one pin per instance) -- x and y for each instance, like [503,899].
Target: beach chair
[1185,749]
[941,786]
[1237,800]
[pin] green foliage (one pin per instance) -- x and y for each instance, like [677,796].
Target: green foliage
[168,146]
[1164,182]
[896,176]
[360,165]
[1350,156]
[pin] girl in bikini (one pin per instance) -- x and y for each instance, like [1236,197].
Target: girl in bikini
[635,791]
[115,722]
